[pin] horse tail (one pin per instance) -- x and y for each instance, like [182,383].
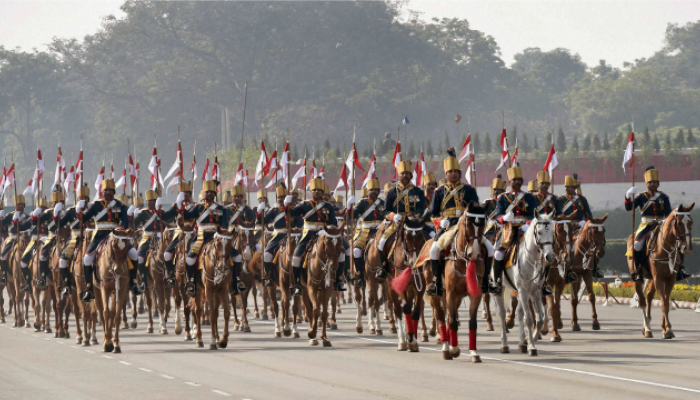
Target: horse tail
[400,283]
[473,287]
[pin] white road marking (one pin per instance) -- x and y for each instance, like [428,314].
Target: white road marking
[90,351]
[575,371]
[124,362]
[221,393]
[166,376]
[145,370]
[108,357]
[47,339]
[192,384]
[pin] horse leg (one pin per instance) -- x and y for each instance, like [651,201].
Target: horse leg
[244,300]
[256,311]
[511,315]
[648,302]
[199,316]
[285,310]
[501,309]
[213,317]
[37,309]
[575,286]
[223,298]
[159,287]
[178,302]
[373,304]
[401,328]
[554,301]
[274,308]
[147,296]
[358,305]
[665,288]
[588,280]
[423,327]
[187,313]
[134,304]
[234,306]
[473,312]
[335,304]
[107,344]
[120,297]
[313,315]
[324,294]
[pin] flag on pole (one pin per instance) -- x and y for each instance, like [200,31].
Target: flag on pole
[504,149]
[552,161]
[193,168]
[153,164]
[100,178]
[111,171]
[132,171]
[245,179]
[471,168]
[216,170]
[31,186]
[70,179]
[276,176]
[396,160]
[205,174]
[514,158]
[174,182]
[301,174]
[353,161]
[371,171]
[178,162]
[284,161]
[121,181]
[405,120]
[9,178]
[466,148]
[240,175]
[2,180]
[60,168]
[418,172]
[78,177]
[313,173]
[342,181]
[260,167]
[629,152]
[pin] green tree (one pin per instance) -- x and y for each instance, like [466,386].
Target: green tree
[586,144]
[326,144]
[561,139]
[548,137]
[595,142]
[680,138]
[293,154]
[486,144]
[535,145]
[411,149]
[525,144]
[477,143]
[447,141]
[691,138]
[657,145]
[606,142]
[429,152]
[646,138]
[668,144]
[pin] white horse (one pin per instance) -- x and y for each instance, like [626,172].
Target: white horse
[527,277]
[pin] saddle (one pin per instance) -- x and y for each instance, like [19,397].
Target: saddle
[309,247]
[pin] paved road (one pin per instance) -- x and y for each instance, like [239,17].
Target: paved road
[616,362]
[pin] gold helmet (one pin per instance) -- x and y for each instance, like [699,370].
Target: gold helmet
[429,178]
[338,198]
[57,196]
[84,191]
[296,191]
[317,184]
[326,188]
[138,202]
[532,186]
[19,199]
[404,166]
[498,183]
[209,186]
[543,177]
[42,203]
[280,191]
[202,195]
[123,198]
[184,187]
[572,181]
[238,191]
[151,195]
[261,194]
[515,173]
[373,184]
[363,193]
[388,186]
[108,184]
[451,162]
[226,196]
[651,174]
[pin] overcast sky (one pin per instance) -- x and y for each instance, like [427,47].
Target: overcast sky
[614,30]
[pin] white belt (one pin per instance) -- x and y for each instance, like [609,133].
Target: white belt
[279,231]
[75,234]
[34,237]
[206,227]
[652,219]
[89,230]
[369,224]
[519,220]
[313,226]
[562,222]
[12,236]
[105,225]
[150,234]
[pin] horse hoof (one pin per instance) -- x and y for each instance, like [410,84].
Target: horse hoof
[424,338]
[544,330]
[257,315]
[438,341]
[364,313]
[278,334]
[379,332]
[94,341]
[188,338]
[446,355]
[287,332]
[213,346]
[86,344]
[555,339]
[393,330]
[264,317]
[200,345]
[327,343]
[510,324]
[339,311]
[141,309]
[455,351]
[476,359]
[576,328]
[80,341]
[668,335]
[236,328]
[133,324]
[163,331]
[178,331]
[431,332]
[413,347]
[489,327]
[66,335]
[246,329]
[403,346]
[48,330]
[149,329]
[117,350]
[37,330]
[532,352]
[296,335]
[522,348]
[386,317]
[560,325]
[222,345]
[358,329]
[596,326]
[37,326]
[55,335]
[125,325]
[313,342]
[334,327]
[539,336]
[108,348]
[372,331]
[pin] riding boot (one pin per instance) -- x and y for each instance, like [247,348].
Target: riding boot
[546,290]
[339,274]
[191,287]
[435,287]
[682,273]
[27,273]
[296,286]
[487,285]
[498,267]
[170,281]
[240,286]
[143,271]
[43,273]
[269,280]
[134,282]
[87,295]
[597,273]
[65,281]
[570,276]
[382,271]
[360,271]
[4,268]
[638,257]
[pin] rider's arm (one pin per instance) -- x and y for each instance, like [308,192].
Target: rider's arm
[420,205]
[390,200]
[331,215]
[123,217]
[501,206]
[667,204]
[471,195]
[223,223]
[438,194]
[586,209]
[169,214]
[250,218]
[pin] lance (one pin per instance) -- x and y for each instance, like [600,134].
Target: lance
[351,211]
[633,210]
[289,214]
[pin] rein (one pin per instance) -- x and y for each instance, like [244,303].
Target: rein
[672,255]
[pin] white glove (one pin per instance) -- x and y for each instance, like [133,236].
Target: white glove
[2,213]
[631,192]
[58,208]
[180,200]
[508,217]
[524,227]
[319,232]
[261,208]
[159,203]
[15,217]
[80,207]
[288,200]
[351,201]
[37,212]
[444,224]
[397,218]
[130,211]
[581,223]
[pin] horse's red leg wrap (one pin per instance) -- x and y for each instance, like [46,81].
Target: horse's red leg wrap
[443,332]
[415,326]
[453,338]
[472,334]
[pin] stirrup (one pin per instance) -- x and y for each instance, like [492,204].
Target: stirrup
[27,288]
[340,286]
[241,287]
[296,290]
[682,274]
[66,291]
[191,289]
[433,290]
[546,291]
[637,277]
[87,296]
[359,283]
[170,283]
[598,274]
[41,283]
[381,274]
[571,277]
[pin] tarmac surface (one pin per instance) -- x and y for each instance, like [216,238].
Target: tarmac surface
[615,362]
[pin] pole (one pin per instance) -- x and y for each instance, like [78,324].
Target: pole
[633,210]
[351,212]
[503,113]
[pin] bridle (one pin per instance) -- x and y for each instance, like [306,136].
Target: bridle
[221,269]
[681,239]
[328,264]
[589,253]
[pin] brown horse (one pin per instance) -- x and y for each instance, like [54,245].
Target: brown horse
[589,245]
[407,284]
[252,265]
[284,265]
[669,242]
[187,235]
[19,301]
[464,270]
[90,312]
[563,245]
[113,282]
[321,269]
[63,304]
[216,279]
[43,296]
[374,286]
[157,292]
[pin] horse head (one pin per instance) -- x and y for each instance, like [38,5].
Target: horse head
[543,233]
[413,236]
[118,244]
[595,228]
[330,244]
[245,242]
[683,226]
[471,229]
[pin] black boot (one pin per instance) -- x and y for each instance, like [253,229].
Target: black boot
[638,257]
[240,286]
[498,267]
[435,287]
[27,274]
[296,286]
[170,281]
[43,273]
[269,280]
[682,273]
[381,272]
[597,273]
[143,272]
[191,286]
[487,285]
[134,282]
[340,277]
[360,272]
[546,291]
[65,281]
[570,276]
[87,295]
[4,271]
